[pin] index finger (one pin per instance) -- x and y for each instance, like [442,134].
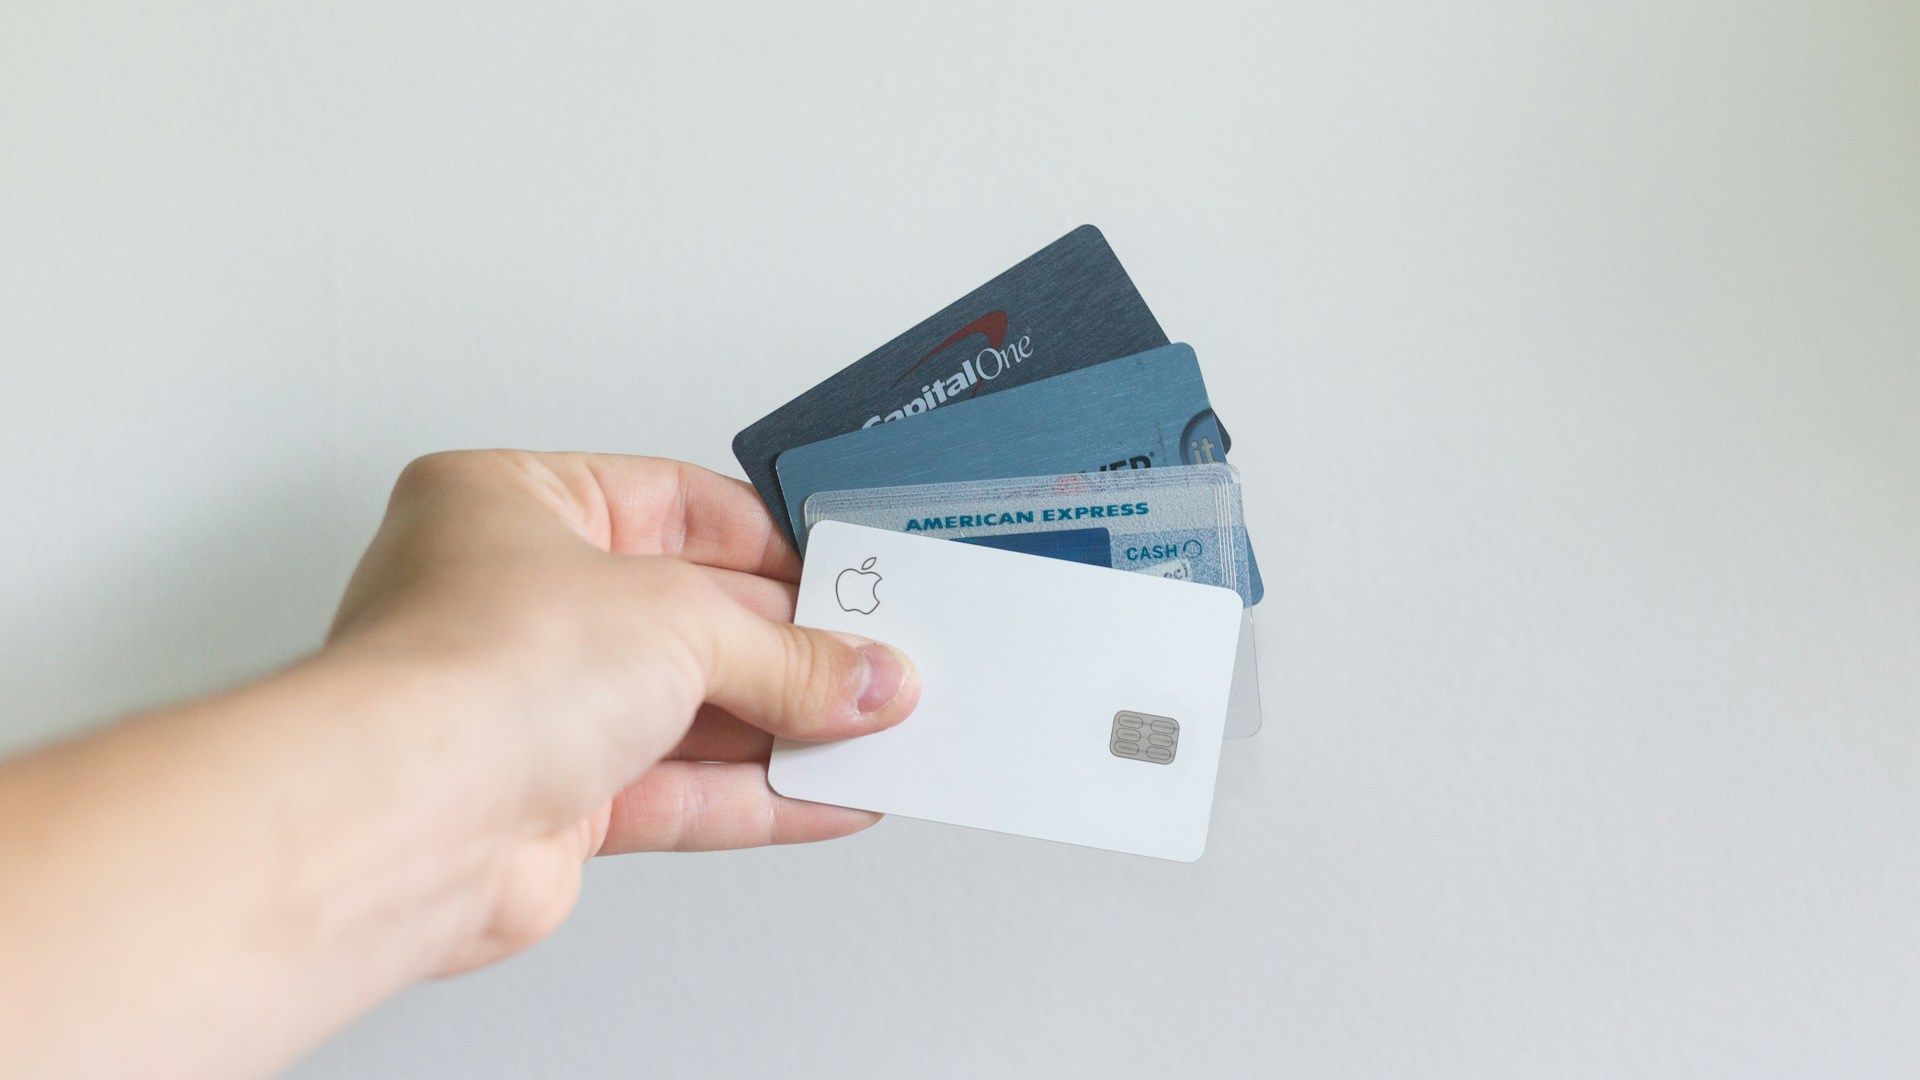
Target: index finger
[656,506]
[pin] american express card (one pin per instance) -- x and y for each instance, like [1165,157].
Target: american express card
[1184,521]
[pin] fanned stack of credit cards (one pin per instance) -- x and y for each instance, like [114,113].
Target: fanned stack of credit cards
[960,485]
[1045,413]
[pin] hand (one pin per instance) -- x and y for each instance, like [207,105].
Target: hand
[617,631]
[541,657]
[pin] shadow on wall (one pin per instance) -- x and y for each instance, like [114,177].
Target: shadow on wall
[249,586]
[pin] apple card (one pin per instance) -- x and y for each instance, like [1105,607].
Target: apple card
[1060,701]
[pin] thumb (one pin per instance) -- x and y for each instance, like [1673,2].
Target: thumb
[803,683]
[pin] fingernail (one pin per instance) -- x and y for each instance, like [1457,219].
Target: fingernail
[882,674]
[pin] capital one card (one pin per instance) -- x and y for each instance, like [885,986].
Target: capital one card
[1143,412]
[1049,725]
[1066,306]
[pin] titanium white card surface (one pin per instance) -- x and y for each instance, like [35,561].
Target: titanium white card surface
[1059,701]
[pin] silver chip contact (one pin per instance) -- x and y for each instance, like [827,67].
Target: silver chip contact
[1144,737]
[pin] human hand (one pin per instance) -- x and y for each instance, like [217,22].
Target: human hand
[541,657]
[615,635]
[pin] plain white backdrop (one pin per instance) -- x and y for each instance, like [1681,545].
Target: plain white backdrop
[1572,354]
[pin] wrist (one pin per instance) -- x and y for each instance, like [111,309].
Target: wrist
[409,797]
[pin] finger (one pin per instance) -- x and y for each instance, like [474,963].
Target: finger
[765,597]
[800,682]
[660,507]
[718,736]
[699,806]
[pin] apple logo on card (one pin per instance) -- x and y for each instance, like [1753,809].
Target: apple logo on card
[855,589]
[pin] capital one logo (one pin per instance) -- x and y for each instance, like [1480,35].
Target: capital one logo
[984,366]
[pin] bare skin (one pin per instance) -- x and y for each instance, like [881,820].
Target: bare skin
[541,658]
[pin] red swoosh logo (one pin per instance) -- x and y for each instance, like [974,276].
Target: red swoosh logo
[993,324]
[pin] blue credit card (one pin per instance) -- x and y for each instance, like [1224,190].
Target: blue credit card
[1091,546]
[1143,411]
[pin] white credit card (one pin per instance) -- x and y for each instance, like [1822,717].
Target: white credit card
[1059,701]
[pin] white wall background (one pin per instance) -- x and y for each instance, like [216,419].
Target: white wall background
[1571,354]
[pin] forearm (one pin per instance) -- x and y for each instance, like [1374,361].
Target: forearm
[212,888]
